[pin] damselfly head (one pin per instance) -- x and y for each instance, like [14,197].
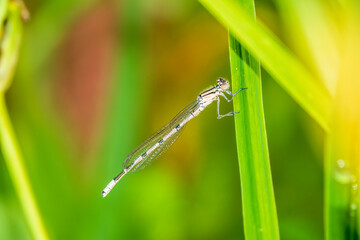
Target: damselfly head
[225,85]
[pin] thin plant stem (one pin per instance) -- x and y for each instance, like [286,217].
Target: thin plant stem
[10,45]
[18,174]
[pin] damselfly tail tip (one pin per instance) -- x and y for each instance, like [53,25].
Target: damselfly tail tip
[108,188]
[103,194]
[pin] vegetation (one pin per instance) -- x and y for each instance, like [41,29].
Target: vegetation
[83,82]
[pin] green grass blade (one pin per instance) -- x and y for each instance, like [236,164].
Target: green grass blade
[306,90]
[15,164]
[258,201]
[8,142]
[304,20]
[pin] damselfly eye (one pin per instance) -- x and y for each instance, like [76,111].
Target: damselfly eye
[225,85]
[220,81]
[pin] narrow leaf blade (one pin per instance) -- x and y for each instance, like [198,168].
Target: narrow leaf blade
[258,201]
[289,73]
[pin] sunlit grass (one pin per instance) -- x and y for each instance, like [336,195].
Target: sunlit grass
[258,201]
[342,152]
[275,57]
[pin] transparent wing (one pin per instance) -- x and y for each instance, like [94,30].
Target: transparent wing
[151,141]
[158,151]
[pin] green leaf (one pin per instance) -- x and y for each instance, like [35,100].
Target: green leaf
[306,90]
[313,35]
[17,170]
[8,141]
[258,201]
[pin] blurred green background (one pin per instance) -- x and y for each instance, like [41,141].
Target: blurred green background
[96,78]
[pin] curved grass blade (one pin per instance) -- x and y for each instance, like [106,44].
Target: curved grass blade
[290,74]
[10,44]
[258,201]
[8,142]
[312,32]
[15,164]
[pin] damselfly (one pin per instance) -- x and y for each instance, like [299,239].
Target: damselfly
[160,141]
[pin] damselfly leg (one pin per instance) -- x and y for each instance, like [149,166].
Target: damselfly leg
[219,116]
[231,94]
